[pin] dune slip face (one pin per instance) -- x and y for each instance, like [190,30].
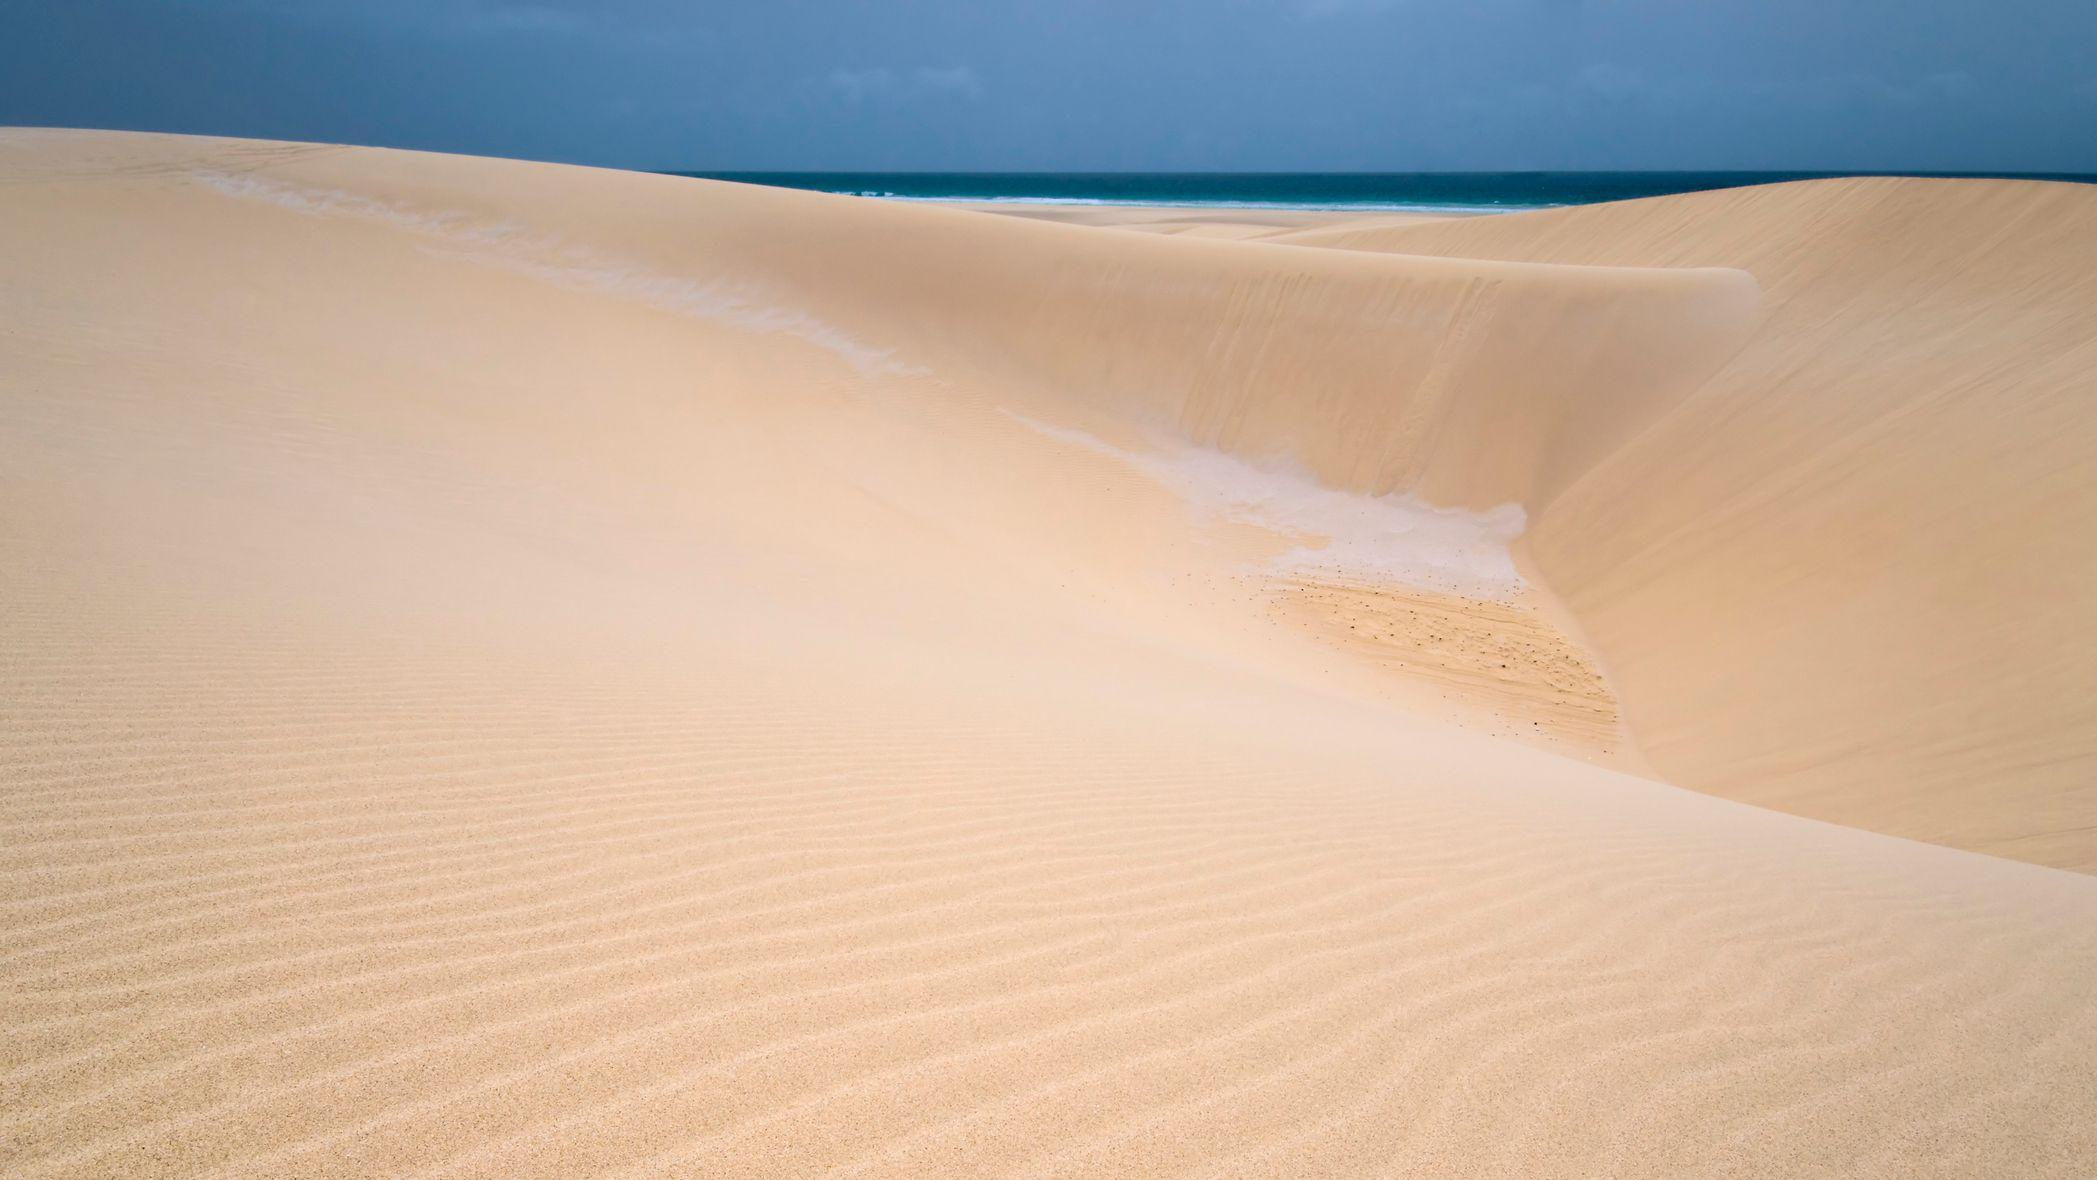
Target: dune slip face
[518,670]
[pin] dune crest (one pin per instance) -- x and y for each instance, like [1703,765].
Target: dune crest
[516,670]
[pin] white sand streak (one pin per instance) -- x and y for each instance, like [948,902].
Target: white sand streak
[1396,537]
[548,259]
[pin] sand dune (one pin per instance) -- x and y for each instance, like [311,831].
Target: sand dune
[1850,576]
[523,670]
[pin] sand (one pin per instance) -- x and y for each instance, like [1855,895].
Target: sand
[1210,221]
[1850,576]
[534,671]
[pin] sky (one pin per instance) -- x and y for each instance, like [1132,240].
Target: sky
[1091,85]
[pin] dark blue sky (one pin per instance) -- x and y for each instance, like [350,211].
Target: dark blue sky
[1322,85]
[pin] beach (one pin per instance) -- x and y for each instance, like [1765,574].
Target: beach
[524,670]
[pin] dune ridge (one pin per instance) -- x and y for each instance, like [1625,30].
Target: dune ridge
[524,670]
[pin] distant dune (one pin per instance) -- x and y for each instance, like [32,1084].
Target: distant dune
[537,671]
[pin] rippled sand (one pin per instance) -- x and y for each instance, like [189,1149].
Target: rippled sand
[515,670]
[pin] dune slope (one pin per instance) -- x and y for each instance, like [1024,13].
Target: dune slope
[531,671]
[1851,576]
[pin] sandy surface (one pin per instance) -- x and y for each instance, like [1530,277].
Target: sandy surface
[1203,221]
[515,670]
[1851,575]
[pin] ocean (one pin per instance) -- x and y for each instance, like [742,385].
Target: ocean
[1400,191]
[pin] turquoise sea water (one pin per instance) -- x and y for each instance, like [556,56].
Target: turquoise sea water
[1427,191]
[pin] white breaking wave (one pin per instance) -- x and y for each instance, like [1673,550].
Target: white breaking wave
[1396,537]
[547,259]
